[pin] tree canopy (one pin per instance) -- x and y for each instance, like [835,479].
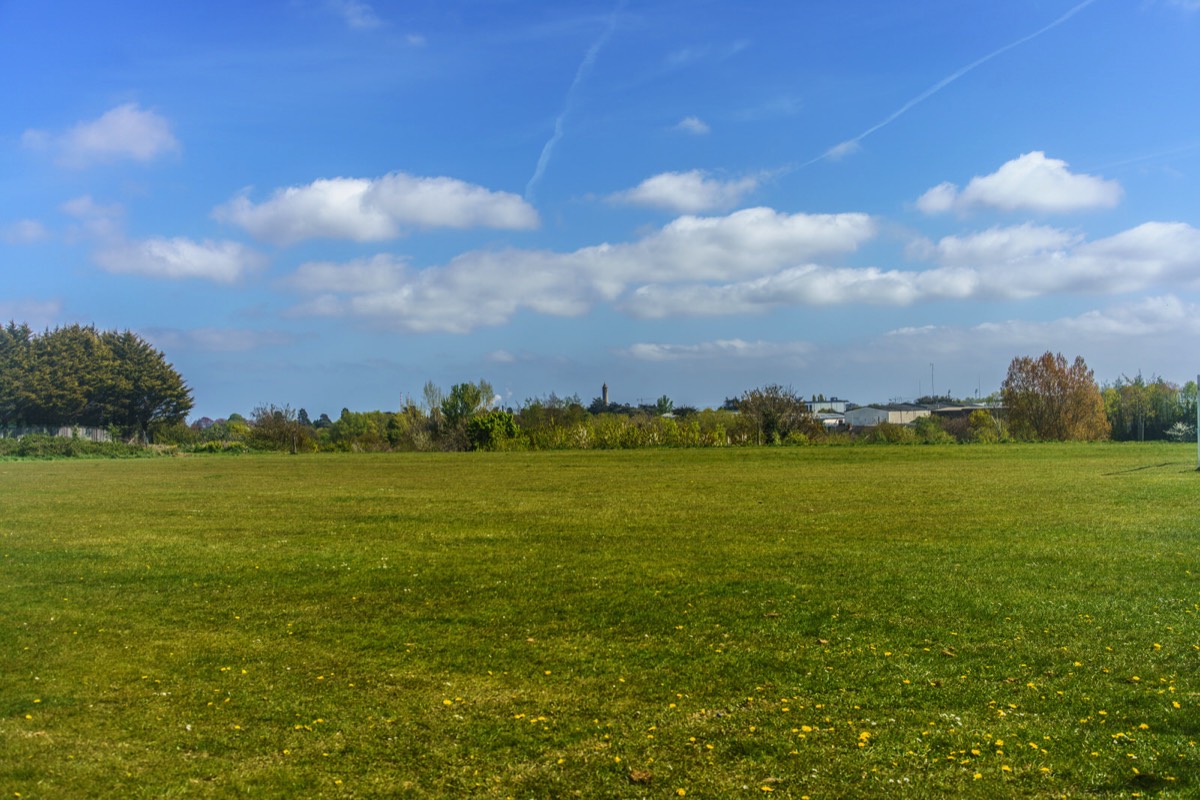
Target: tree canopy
[78,375]
[1048,399]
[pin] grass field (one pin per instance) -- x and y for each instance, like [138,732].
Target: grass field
[1014,621]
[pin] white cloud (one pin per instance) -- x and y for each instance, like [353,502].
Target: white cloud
[178,258]
[939,199]
[379,273]
[157,257]
[1030,182]
[1143,332]
[688,192]
[810,285]
[1005,263]
[24,231]
[693,125]
[125,132]
[748,261]
[501,357]
[488,287]
[998,245]
[720,349]
[1159,316]
[368,210]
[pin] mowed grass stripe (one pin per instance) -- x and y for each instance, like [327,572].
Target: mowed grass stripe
[822,622]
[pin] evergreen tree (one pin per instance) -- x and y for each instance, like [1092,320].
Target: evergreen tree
[145,390]
[76,375]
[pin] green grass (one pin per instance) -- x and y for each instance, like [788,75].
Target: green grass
[1015,621]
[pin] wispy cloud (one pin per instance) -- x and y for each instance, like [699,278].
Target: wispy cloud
[1111,338]
[356,13]
[686,56]
[174,258]
[37,313]
[581,73]
[693,125]
[218,340]
[23,231]
[1030,182]
[125,132]
[720,350]
[850,145]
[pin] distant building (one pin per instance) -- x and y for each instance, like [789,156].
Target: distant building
[821,403]
[894,413]
[952,412]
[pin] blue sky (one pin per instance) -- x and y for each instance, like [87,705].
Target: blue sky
[327,203]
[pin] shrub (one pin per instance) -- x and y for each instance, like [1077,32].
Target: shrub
[37,445]
[492,430]
[891,433]
[222,447]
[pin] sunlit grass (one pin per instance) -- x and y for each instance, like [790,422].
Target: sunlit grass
[849,622]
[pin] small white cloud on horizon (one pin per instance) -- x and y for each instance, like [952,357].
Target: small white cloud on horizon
[688,192]
[35,313]
[1118,333]
[719,349]
[124,132]
[693,125]
[501,357]
[1030,182]
[369,210]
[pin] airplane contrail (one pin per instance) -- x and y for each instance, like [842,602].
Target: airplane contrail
[584,67]
[850,145]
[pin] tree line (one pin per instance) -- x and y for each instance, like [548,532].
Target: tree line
[1042,399]
[79,376]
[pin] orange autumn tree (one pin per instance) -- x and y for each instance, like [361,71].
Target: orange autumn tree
[1046,399]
